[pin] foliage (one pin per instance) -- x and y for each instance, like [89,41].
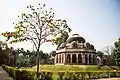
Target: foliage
[26,75]
[19,75]
[117,52]
[4,53]
[21,58]
[39,26]
[45,76]
[30,75]
[87,75]
[108,57]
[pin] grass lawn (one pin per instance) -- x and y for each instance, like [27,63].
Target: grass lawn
[72,68]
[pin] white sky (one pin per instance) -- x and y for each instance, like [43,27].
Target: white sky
[96,20]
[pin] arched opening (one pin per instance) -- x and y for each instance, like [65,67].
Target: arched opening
[79,58]
[98,60]
[59,58]
[90,62]
[68,58]
[73,58]
[86,59]
[62,58]
[93,59]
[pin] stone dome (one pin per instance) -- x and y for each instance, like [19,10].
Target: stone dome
[75,37]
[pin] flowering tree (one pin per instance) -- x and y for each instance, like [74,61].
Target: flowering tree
[39,26]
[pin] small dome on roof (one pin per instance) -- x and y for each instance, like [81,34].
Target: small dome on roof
[75,37]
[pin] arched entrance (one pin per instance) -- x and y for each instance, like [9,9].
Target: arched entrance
[93,59]
[79,58]
[62,58]
[59,58]
[90,62]
[73,58]
[68,58]
[86,59]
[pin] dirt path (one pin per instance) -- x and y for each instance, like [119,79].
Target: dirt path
[108,79]
[4,75]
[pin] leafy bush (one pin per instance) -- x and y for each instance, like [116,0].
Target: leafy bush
[19,75]
[60,75]
[87,75]
[27,75]
[45,76]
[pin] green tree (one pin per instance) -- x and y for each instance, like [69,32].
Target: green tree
[33,58]
[109,55]
[4,53]
[38,26]
[15,56]
[100,57]
[11,57]
[117,52]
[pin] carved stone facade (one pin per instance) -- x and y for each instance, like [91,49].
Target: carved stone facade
[76,51]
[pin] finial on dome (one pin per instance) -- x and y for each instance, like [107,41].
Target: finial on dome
[75,35]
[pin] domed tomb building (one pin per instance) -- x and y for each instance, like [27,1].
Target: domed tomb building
[76,51]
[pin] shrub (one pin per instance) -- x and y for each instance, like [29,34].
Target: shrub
[45,76]
[19,75]
[28,75]
[88,75]
[60,75]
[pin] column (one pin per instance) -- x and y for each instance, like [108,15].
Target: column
[58,59]
[61,59]
[76,58]
[87,58]
[65,58]
[71,58]
[83,57]
[55,59]
[91,59]
[95,59]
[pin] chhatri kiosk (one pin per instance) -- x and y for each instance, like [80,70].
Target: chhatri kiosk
[76,51]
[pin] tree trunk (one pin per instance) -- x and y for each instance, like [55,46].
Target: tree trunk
[37,65]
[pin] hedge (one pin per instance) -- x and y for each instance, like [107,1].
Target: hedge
[87,75]
[16,74]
